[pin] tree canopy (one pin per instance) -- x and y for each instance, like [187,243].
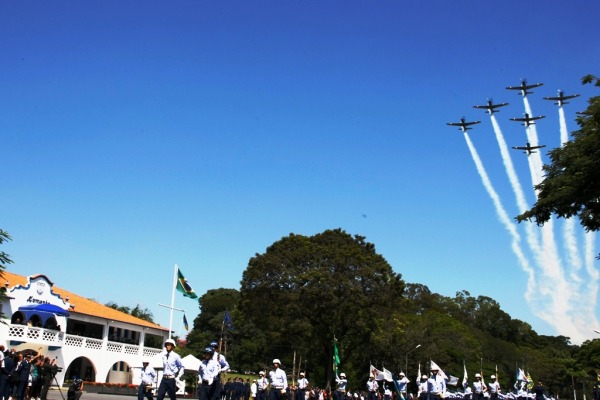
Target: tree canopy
[572,183]
[4,261]
[137,311]
[305,291]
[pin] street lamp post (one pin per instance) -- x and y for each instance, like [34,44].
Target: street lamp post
[406,359]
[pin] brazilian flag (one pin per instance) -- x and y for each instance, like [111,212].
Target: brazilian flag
[184,287]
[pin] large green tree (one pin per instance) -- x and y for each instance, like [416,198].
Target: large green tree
[304,291]
[208,325]
[572,183]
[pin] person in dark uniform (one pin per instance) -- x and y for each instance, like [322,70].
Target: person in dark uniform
[23,368]
[75,390]
[539,391]
[7,367]
[49,370]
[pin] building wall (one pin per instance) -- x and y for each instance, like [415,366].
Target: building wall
[75,353]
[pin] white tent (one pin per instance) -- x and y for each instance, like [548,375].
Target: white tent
[156,361]
[190,363]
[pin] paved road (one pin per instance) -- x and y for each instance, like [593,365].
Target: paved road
[56,395]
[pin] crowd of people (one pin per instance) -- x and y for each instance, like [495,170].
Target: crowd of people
[29,376]
[275,386]
[25,376]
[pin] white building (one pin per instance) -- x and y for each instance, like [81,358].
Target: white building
[91,341]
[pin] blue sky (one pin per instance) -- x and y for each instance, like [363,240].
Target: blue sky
[139,135]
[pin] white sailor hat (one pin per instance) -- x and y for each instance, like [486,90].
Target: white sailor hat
[343,374]
[261,373]
[276,361]
[424,377]
[477,376]
[301,373]
[170,341]
[401,373]
[493,377]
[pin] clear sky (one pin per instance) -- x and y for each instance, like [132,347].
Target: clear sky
[137,135]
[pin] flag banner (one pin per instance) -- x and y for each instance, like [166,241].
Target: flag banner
[336,357]
[418,374]
[529,381]
[521,375]
[227,322]
[184,287]
[453,380]
[387,375]
[441,372]
[379,375]
[465,381]
[185,323]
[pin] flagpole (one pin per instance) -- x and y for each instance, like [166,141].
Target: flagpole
[172,298]
[294,369]
[222,329]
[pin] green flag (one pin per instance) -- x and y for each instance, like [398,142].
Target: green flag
[184,287]
[336,356]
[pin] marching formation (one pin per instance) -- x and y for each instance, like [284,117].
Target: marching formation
[380,385]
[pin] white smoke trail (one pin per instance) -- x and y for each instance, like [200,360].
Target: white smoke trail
[506,221]
[592,283]
[590,254]
[535,159]
[573,257]
[510,169]
[564,134]
[530,232]
[559,312]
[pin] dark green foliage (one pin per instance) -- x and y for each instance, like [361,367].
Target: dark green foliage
[137,311]
[302,291]
[4,261]
[208,325]
[572,183]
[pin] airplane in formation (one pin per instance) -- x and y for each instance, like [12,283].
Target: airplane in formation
[527,120]
[528,149]
[463,124]
[491,107]
[560,99]
[524,87]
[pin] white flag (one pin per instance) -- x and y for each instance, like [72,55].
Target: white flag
[441,372]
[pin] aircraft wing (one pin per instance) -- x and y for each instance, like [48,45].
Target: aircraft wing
[562,98]
[534,85]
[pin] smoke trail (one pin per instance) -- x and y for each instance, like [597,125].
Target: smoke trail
[510,169]
[564,135]
[573,257]
[562,293]
[530,233]
[587,316]
[505,220]
[535,159]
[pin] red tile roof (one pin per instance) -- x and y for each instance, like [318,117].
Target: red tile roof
[83,305]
